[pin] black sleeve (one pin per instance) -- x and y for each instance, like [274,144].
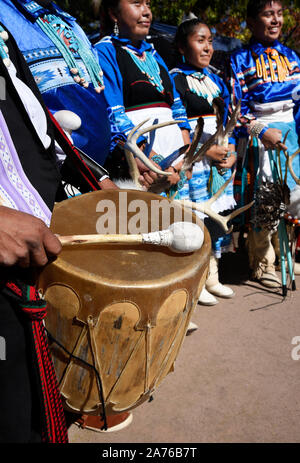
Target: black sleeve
[181,85]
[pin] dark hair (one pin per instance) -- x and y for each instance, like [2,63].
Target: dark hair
[106,23]
[254,7]
[184,30]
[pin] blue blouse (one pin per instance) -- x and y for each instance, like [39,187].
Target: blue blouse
[120,122]
[52,75]
[247,86]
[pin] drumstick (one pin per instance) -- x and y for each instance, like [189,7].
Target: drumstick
[179,237]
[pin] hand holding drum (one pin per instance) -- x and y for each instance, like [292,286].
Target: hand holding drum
[181,237]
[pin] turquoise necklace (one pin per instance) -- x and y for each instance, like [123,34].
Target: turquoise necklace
[56,29]
[148,66]
[3,47]
[202,85]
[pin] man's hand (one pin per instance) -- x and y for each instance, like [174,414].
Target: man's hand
[175,177]
[271,139]
[25,240]
[217,152]
[228,162]
[107,184]
[147,176]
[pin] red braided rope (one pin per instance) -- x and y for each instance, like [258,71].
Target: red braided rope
[70,150]
[55,429]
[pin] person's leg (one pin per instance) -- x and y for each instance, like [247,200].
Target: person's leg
[16,383]
[213,284]
[262,257]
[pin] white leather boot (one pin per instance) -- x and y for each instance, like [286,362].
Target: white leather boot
[262,258]
[212,283]
[191,328]
[206,298]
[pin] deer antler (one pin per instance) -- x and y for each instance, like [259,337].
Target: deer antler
[205,207]
[289,160]
[131,144]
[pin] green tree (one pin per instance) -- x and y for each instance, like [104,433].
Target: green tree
[83,10]
[228,17]
[171,11]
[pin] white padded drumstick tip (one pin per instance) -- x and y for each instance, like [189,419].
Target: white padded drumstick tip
[68,120]
[181,237]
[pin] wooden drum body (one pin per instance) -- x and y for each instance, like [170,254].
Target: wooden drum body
[122,309]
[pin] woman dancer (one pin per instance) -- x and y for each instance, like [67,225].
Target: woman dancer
[198,87]
[137,82]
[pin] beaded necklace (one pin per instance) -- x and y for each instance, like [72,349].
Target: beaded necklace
[148,66]
[57,30]
[202,85]
[3,48]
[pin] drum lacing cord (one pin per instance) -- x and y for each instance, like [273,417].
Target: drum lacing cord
[99,382]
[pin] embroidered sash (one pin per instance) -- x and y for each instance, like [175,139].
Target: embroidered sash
[16,191]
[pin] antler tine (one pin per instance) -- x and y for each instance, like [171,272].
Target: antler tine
[220,219]
[285,137]
[158,126]
[205,207]
[138,133]
[133,168]
[131,146]
[134,134]
[220,190]
[290,166]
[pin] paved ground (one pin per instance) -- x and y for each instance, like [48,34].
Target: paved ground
[234,380]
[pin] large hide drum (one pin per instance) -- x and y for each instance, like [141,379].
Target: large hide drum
[123,309]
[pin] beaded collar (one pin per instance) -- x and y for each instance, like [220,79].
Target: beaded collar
[143,46]
[3,48]
[57,25]
[143,58]
[200,83]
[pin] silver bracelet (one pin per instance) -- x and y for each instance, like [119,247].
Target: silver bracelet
[256,129]
[103,178]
